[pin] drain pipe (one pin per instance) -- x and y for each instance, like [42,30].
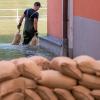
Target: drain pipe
[65,28]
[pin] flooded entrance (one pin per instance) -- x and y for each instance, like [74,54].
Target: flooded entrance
[8,51]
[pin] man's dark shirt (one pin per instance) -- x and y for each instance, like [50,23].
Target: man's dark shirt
[30,14]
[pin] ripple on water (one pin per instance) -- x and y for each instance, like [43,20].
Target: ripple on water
[8,51]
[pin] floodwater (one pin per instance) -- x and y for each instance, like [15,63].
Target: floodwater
[8,51]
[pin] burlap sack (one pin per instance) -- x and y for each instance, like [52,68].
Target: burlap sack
[14,96]
[28,98]
[28,83]
[28,68]
[86,64]
[98,74]
[81,93]
[8,71]
[31,95]
[97,68]
[90,81]
[43,62]
[66,66]
[55,79]
[15,85]
[63,94]
[17,39]
[46,93]
[34,41]
[18,60]
[96,94]
[57,61]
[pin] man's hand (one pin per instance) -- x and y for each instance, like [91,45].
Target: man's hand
[36,34]
[18,26]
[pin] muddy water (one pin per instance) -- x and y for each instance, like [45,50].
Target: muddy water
[8,51]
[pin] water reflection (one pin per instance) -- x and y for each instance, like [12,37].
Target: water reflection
[8,51]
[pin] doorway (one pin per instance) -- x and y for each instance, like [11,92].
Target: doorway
[68,28]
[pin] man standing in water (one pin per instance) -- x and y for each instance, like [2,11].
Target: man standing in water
[31,21]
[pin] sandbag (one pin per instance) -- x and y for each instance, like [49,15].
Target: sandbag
[98,74]
[90,81]
[63,94]
[34,41]
[17,60]
[97,68]
[14,96]
[81,93]
[28,83]
[15,85]
[55,79]
[66,66]
[31,95]
[42,62]
[58,61]
[86,64]
[8,71]
[17,39]
[46,93]
[96,94]
[28,68]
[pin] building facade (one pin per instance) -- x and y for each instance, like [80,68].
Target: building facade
[82,18]
[86,28]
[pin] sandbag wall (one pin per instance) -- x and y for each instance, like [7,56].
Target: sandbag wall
[62,78]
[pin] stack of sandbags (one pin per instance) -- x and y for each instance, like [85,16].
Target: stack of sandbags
[16,78]
[52,79]
[62,78]
[90,78]
[27,68]
[16,85]
[84,70]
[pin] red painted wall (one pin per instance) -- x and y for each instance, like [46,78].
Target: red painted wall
[54,22]
[87,8]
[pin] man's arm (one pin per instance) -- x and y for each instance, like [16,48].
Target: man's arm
[35,24]
[20,21]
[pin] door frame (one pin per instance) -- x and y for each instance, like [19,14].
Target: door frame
[67,27]
[70,26]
